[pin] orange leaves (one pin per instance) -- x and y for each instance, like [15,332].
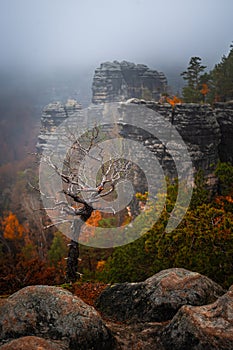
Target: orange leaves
[173,101]
[221,199]
[205,89]
[225,202]
[91,224]
[94,219]
[11,227]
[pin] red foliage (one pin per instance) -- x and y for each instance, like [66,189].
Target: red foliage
[31,272]
[88,292]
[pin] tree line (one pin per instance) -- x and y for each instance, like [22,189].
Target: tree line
[214,86]
[203,242]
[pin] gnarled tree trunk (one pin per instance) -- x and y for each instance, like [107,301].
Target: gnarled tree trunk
[72,261]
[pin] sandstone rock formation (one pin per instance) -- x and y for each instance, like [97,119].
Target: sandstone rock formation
[52,116]
[158,298]
[208,327]
[206,131]
[224,116]
[198,127]
[55,314]
[119,81]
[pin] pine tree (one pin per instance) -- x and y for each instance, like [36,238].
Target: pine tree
[221,79]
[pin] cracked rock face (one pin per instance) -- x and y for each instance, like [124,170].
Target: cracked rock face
[158,298]
[119,81]
[208,327]
[52,116]
[51,312]
[206,131]
[224,115]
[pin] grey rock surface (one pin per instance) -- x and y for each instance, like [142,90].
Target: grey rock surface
[224,115]
[208,327]
[119,81]
[199,128]
[158,298]
[56,314]
[52,116]
[206,131]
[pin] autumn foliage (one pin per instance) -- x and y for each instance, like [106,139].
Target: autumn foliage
[204,89]
[173,101]
[11,227]
[202,242]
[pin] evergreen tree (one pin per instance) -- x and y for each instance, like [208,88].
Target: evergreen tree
[202,242]
[221,79]
[194,78]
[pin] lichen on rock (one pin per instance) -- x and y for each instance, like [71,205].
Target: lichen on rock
[53,313]
[158,298]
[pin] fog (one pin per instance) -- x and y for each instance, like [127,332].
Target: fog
[47,35]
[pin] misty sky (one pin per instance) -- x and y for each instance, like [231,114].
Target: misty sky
[53,33]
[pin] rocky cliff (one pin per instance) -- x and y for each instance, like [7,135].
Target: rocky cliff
[119,81]
[52,116]
[224,116]
[206,130]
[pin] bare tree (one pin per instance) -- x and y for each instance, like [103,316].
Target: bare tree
[82,196]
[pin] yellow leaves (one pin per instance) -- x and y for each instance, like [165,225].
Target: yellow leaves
[141,196]
[100,265]
[11,227]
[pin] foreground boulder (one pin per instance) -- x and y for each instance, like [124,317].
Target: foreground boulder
[56,314]
[159,297]
[207,327]
[32,343]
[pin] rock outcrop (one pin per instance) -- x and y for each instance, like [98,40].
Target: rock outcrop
[33,343]
[208,327]
[224,116]
[206,131]
[158,298]
[174,309]
[119,81]
[52,116]
[197,125]
[56,314]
